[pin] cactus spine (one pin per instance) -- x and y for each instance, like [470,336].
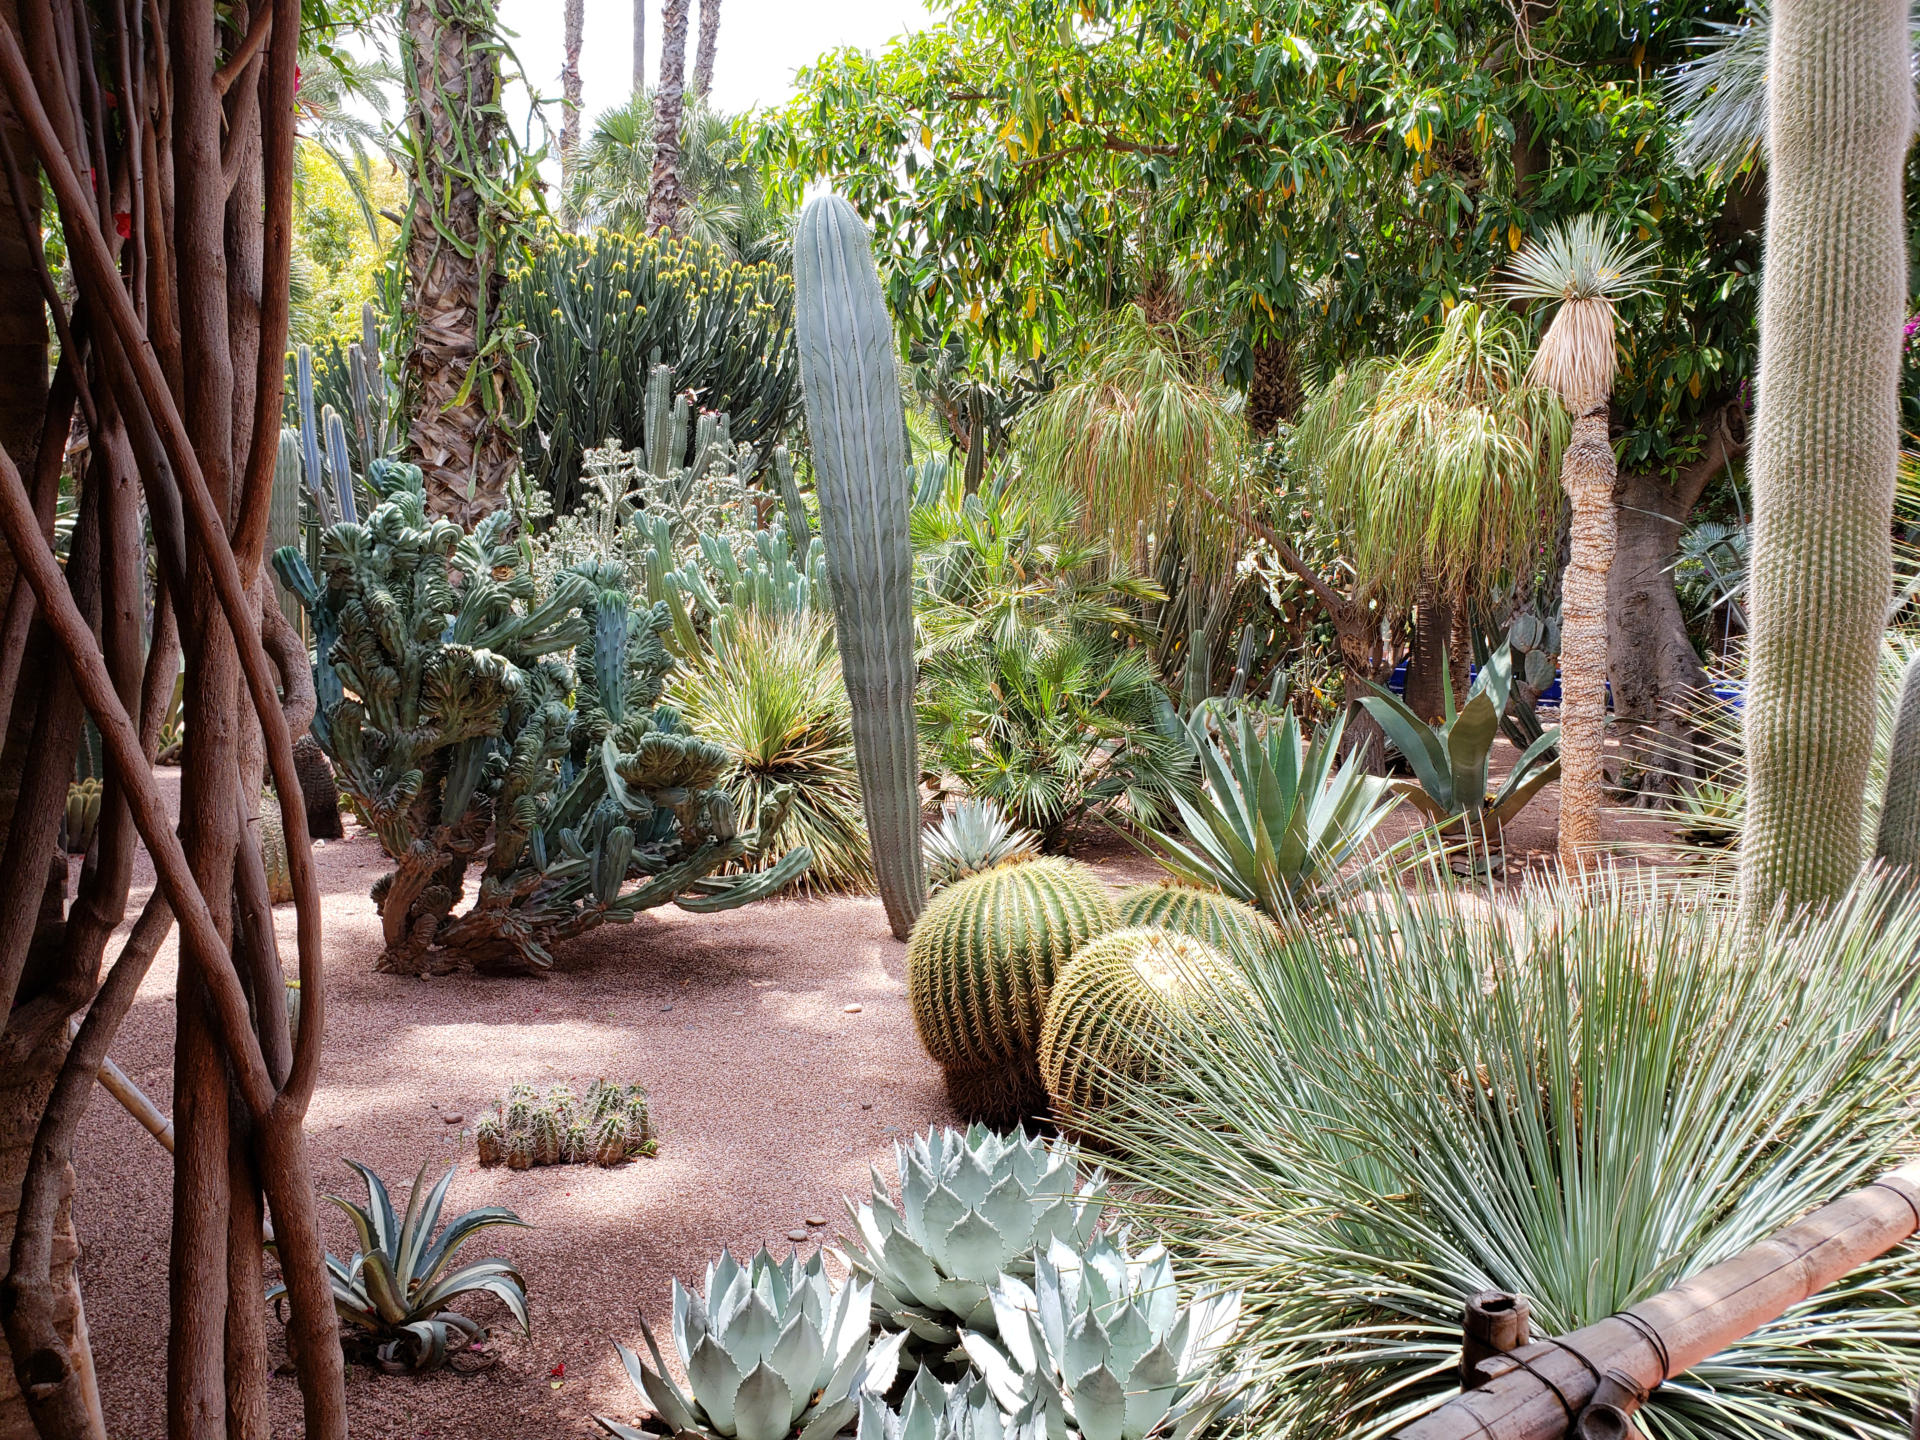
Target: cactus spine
[852,394]
[1220,920]
[1114,997]
[980,968]
[1899,839]
[1826,439]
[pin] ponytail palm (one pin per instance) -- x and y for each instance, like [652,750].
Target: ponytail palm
[1585,268]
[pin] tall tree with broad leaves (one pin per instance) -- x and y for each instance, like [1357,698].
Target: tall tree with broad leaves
[669,99]
[703,53]
[164,140]
[570,91]
[466,182]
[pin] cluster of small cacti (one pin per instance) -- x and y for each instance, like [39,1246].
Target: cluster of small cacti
[83,815]
[456,717]
[1220,920]
[981,965]
[1107,1005]
[852,391]
[608,1125]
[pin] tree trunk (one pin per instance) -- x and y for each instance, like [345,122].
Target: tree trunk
[453,271]
[703,53]
[1429,670]
[664,198]
[1275,394]
[639,48]
[1587,472]
[570,90]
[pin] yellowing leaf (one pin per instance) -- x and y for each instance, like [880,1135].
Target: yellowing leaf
[926,137]
[1693,385]
[1513,236]
[973,312]
[1033,302]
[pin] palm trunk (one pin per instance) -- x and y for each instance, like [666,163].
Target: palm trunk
[453,270]
[664,199]
[703,55]
[639,47]
[576,12]
[1432,656]
[1587,471]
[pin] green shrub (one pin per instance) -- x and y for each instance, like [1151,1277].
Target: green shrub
[604,309]
[1583,1102]
[768,692]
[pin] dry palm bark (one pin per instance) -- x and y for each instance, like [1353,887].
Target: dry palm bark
[1587,472]
[703,52]
[571,95]
[164,133]
[639,47]
[664,197]
[454,274]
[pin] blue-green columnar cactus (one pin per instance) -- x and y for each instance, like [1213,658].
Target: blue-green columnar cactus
[457,719]
[851,389]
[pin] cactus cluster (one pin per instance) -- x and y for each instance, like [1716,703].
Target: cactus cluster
[464,737]
[1107,1007]
[1226,924]
[607,1125]
[83,815]
[854,419]
[980,967]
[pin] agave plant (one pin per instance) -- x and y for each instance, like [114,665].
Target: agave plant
[930,1410]
[395,1294]
[1449,760]
[972,1206]
[974,835]
[1616,1089]
[1274,820]
[774,1348]
[1100,1346]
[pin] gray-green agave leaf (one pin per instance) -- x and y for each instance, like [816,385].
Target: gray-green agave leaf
[772,1349]
[971,1207]
[933,1411]
[1100,1346]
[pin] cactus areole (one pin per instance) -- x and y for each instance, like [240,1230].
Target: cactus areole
[852,395]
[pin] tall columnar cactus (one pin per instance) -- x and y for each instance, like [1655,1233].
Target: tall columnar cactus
[1220,920]
[1110,1005]
[980,968]
[1826,439]
[851,389]
[1899,839]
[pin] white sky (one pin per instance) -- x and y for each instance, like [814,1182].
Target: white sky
[761,44]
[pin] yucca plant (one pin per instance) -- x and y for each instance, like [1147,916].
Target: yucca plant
[972,836]
[1450,759]
[768,692]
[1102,1346]
[1276,817]
[395,1295]
[1583,1101]
[773,1348]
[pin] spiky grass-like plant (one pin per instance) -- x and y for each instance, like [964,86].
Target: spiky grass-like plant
[1584,268]
[1582,1101]
[769,693]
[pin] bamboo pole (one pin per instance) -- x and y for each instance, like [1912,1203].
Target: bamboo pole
[1540,1391]
[117,1083]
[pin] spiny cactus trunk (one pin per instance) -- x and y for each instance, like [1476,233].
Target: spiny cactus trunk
[1826,439]
[852,394]
[1899,839]
[1587,471]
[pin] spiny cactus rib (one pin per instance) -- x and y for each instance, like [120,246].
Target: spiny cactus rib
[273,851]
[852,395]
[1223,922]
[1899,838]
[1826,439]
[980,967]
[1113,1000]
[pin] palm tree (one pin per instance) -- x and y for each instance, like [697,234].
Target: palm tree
[664,198]
[576,21]
[639,47]
[1586,268]
[723,202]
[343,108]
[703,55]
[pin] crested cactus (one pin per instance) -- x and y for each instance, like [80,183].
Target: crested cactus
[1227,924]
[1899,837]
[980,968]
[851,389]
[463,737]
[608,1125]
[273,850]
[1108,1006]
[1826,440]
